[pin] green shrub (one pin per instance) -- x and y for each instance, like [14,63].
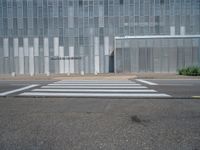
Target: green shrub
[190,71]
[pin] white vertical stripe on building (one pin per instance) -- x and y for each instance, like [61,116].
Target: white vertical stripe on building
[25,46]
[71,54]
[31,61]
[182,30]
[21,60]
[36,47]
[106,45]
[46,65]
[16,47]
[46,56]
[172,30]
[61,61]
[46,47]
[56,46]
[66,69]
[96,64]
[96,45]
[5,47]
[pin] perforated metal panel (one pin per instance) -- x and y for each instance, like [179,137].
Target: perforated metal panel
[90,27]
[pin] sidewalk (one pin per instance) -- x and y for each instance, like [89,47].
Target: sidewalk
[109,76]
[163,76]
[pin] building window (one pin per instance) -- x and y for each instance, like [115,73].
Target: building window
[80,3]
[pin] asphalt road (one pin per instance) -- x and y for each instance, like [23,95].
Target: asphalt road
[99,123]
[102,123]
[178,88]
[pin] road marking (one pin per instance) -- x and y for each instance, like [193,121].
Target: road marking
[95,82]
[176,79]
[18,90]
[93,94]
[177,84]
[196,97]
[95,87]
[147,82]
[121,81]
[85,84]
[92,90]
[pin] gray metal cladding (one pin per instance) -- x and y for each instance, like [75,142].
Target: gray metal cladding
[154,54]
[32,32]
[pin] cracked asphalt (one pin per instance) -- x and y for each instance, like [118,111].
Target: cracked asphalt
[95,123]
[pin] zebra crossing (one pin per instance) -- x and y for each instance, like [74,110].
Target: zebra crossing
[94,88]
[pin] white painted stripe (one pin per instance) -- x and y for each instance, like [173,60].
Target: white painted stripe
[93,84]
[92,90]
[147,82]
[98,82]
[176,79]
[93,94]
[18,90]
[94,81]
[177,84]
[95,87]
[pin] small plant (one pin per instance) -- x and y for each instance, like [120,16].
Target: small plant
[190,71]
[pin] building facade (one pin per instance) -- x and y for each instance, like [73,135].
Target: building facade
[163,53]
[79,36]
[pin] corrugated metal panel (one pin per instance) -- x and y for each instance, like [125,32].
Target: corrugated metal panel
[157,55]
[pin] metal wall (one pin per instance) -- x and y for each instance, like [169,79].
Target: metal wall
[33,31]
[156,54]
